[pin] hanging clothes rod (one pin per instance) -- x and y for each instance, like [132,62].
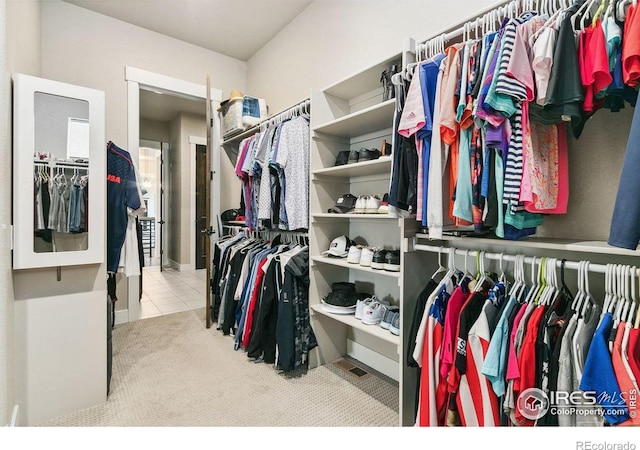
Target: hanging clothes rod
[296,109]
[596,268]
[459,28]
[486,17]
[61,163]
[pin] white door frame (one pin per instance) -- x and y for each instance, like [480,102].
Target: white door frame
[138,79]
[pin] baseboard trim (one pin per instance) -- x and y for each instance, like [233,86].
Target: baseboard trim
[373,359]
[181,267]
[122,316]
[14,417]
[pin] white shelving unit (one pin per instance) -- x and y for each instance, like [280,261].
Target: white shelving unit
[350,115]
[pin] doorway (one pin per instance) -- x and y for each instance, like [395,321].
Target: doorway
[179,240]
[153,220]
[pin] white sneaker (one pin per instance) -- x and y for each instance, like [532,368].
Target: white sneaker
[361,205]
[366,256]
[354,254]
[374,312]
[372,205]
[362,304]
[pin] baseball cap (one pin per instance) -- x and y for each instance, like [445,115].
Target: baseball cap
[344,204]
[339,247]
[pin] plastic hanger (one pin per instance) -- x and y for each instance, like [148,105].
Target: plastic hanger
[577,16]
[588,298]
[608,294]
[441,268]
[521,283]
[577,300]
[633,300]
[502,278]
[481,276]
[533,291]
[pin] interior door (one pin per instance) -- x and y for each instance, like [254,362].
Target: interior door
[161,207]
[202,223]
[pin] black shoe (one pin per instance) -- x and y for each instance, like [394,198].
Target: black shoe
[379,258]
[343,158]
[392,261]
[353,157]
[369,155]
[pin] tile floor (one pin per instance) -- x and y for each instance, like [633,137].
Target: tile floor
[171,291]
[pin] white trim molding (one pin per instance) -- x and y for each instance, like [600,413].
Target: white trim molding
[165,84]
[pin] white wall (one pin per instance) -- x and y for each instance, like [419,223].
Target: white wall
[19,52]
[87,48]
[330,40]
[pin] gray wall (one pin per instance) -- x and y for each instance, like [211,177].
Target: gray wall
[153,130]
[174,182]
[19,52]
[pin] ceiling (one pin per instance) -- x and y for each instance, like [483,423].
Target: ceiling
[237,28]
[164,107]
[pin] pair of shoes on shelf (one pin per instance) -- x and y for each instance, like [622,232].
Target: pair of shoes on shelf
[391,320]
[360,254]
[367,204]
[371,310]
[362,155]
[388,260]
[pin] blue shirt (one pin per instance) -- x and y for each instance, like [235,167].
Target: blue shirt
[598,375]
[122,192]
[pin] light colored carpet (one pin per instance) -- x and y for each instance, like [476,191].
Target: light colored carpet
[172,371]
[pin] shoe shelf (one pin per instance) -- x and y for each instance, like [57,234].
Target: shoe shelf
[365,121]
[342,262]
[571,245]
[350,320]
[364,81]
[330,216]
[378,166]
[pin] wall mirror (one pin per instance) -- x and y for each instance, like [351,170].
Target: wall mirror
[59,174]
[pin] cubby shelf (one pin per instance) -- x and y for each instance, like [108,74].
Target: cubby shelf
[332,216]
[378,166]
[365,121]
[342,262]
[350,320]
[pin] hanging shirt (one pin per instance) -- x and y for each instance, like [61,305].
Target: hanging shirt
[631,47]
[628,386]
[479,404]
[429,74]
[438,159]
[122,192]
[543,62]
[599,376]
[495,363]
[293,157]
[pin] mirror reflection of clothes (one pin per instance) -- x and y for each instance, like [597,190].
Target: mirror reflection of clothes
[58,211]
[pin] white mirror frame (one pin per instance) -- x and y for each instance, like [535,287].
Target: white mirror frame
[24,257]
